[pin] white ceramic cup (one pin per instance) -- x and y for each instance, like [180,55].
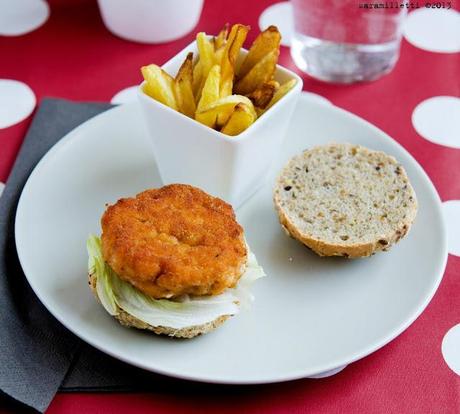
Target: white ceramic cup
[232,168]
[150,21]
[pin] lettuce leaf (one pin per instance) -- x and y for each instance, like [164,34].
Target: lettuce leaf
[97,266]
[187,311]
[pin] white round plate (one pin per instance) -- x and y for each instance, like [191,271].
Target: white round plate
[311,314]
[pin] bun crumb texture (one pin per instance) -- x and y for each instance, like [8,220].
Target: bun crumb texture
[345,200]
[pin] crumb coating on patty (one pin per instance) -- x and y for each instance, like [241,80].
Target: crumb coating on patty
[174,240]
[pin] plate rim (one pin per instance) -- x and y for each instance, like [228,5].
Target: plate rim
[294,374]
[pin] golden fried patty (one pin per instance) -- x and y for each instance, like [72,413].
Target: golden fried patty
[174,240]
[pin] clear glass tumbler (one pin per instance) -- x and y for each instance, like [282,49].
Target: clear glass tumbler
[346,41]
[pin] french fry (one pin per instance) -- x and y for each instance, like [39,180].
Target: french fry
[197,78]
[183,87]
[223,108]
[209,96]
[159,85]
[219,54]
[283,90]
[263,94]
[266,42]
[235,40]
[275,83]
[230,54]
[212,53]
[259,111]
[212,90]
[260,73]
[240,119]
[206,51]
[220,39]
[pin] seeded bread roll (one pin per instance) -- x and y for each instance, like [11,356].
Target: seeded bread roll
[345,200]
[130,321]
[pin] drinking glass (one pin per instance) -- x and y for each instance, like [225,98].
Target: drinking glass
[346,41]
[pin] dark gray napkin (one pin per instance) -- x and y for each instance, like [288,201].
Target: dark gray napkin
[37,354]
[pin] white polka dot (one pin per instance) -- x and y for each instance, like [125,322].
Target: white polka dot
[451,210]
[435,30]
[314,97]
[438,120]
[280,15]
[19,17]
[451,348]
[126,95]
[2,186]
[17,101]
[328,373]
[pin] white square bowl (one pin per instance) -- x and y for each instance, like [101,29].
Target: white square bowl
[231,168]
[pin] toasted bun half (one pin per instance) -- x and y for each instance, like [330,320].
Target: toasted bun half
[345,200]
[130,321]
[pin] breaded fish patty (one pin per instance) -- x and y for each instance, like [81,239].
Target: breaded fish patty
[174,240]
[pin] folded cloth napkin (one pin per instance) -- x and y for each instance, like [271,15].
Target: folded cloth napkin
[38,355]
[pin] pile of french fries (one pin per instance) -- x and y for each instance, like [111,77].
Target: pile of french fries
[213,90]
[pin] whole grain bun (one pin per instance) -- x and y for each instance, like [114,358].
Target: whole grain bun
[130,321]
[345,200]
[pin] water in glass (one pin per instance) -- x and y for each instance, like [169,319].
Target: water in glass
[344,41]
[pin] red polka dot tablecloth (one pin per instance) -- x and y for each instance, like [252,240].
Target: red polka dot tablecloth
[62,49]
